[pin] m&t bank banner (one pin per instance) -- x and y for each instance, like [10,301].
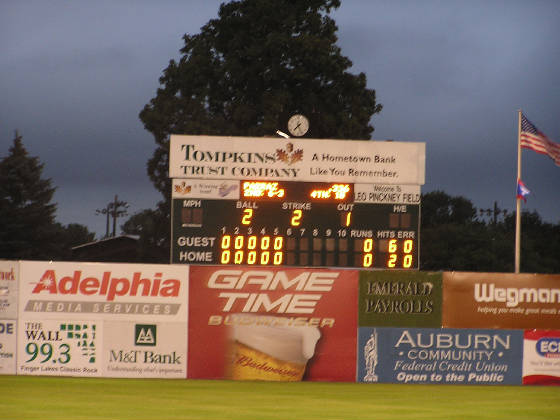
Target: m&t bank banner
[433,355]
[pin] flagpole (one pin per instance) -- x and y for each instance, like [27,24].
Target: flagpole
[518,210]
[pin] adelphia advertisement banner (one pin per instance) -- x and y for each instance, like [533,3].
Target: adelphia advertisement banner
[272,324]
[400,299]
[501,300]
[68,290]
[439,356]
[541,357]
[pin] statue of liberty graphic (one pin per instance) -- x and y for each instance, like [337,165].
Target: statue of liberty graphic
[370,355]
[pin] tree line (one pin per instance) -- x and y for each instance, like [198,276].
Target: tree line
[454,234]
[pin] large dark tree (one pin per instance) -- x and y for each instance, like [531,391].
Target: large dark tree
[27,216]
[69,236]
[439,208]
[540,243]
[248,70]
[26,212]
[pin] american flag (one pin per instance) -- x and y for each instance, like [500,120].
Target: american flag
[533,139]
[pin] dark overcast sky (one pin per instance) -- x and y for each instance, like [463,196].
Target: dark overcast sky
[74,74]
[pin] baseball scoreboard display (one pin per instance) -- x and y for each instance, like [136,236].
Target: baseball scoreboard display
[292,202]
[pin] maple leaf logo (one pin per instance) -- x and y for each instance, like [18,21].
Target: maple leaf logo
[183,188]
[289,155]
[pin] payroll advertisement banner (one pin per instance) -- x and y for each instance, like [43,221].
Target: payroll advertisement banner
[400,299]
[69,313]
[541,357]
[273,324]
[439,356]
[501,300]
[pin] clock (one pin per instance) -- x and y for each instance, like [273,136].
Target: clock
[298,125]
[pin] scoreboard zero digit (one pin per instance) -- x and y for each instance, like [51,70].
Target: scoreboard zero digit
[263,221]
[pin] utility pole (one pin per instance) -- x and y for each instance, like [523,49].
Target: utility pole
[495,213]
[114,209]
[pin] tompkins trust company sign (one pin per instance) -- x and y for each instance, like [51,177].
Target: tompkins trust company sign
[210,157]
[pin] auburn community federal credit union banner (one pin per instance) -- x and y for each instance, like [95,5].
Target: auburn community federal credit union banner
[440,356]
[272,323]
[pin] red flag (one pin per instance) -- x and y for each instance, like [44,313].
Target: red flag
[522,190]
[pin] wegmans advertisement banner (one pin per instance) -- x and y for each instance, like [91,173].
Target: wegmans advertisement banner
[501,300]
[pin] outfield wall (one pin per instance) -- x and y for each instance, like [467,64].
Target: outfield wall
[289,324]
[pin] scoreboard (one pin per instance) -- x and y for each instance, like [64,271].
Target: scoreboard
[296,224]
[265,217]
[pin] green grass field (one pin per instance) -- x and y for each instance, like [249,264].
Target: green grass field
[26,397]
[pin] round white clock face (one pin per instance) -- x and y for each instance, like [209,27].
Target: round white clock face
[298,125]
